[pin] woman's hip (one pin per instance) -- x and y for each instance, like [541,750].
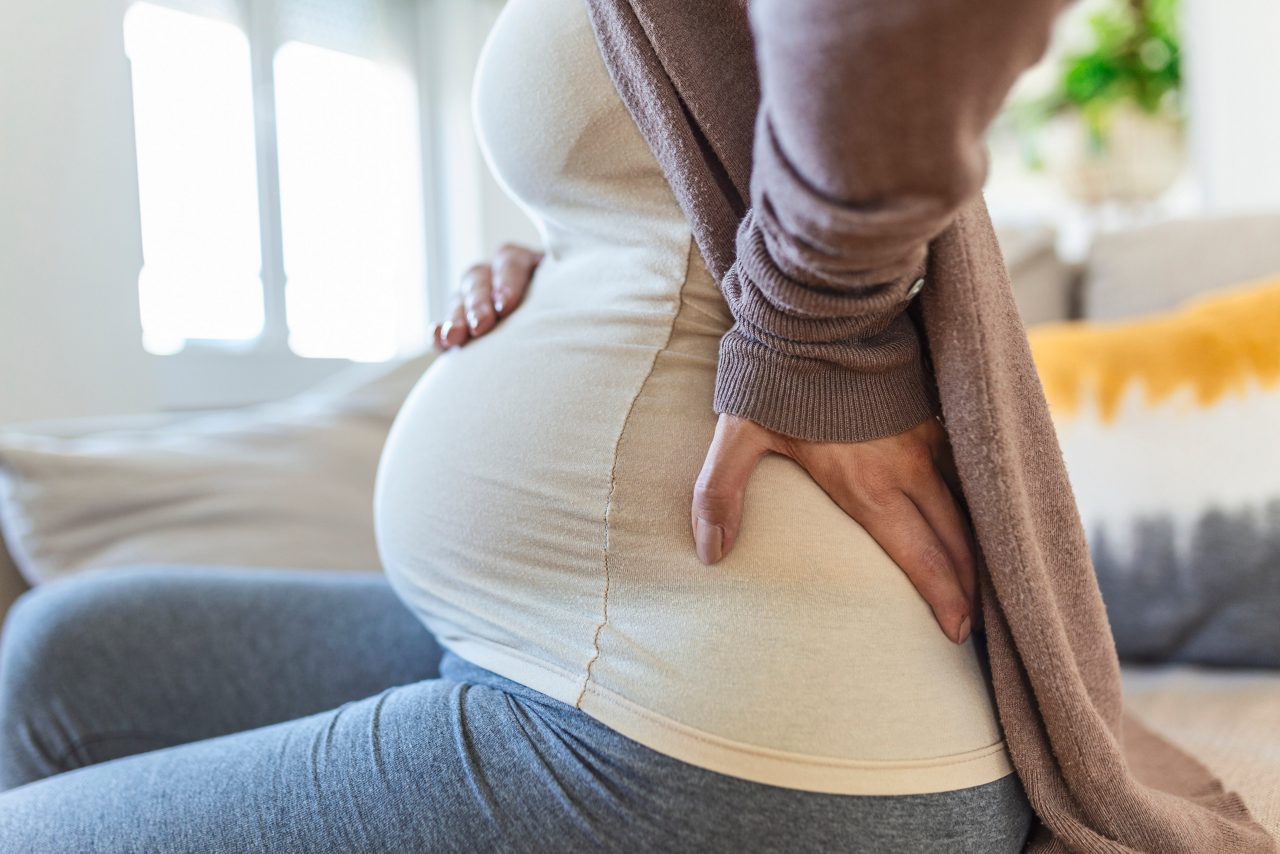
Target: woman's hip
[612,793]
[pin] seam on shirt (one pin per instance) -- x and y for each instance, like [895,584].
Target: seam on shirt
[613,469]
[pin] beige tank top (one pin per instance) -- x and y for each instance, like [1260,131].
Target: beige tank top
[533,498]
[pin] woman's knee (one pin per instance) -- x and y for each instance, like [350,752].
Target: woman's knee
[67,630]
[42,629]
[49,637]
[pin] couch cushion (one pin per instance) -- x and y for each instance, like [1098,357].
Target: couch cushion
[286,484]
[1229,720]
[1135,272]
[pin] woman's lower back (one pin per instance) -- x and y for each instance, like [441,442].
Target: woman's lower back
[533,509]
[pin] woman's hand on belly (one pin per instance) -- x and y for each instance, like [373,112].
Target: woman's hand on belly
[895,487]
[488,292]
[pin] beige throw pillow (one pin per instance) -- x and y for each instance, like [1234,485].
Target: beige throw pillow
[287,484]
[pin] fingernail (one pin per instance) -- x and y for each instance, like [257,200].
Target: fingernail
[962,634]
[710,541]
[498,301]
[473,320]
[447,333]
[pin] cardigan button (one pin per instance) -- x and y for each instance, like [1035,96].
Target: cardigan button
[915,287]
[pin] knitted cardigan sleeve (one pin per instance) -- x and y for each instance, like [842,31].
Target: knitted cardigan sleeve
[868,139]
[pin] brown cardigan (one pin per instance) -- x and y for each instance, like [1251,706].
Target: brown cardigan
[817,206]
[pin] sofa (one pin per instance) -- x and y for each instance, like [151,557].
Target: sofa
[1228,716]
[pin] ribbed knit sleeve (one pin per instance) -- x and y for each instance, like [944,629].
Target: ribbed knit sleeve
[867,142]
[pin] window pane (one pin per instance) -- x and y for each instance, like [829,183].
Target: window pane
[351,205]
[197,178]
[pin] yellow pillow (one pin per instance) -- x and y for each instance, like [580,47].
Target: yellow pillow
[1170,428]
[1213,346]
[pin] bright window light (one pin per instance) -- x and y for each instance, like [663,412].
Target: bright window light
[351,205]
[197,178]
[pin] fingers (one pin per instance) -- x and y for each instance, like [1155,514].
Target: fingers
[939,508]
[512,271]
[871,492]
[477,300]
[470,310]
[893,487]
[905,535]
[945,465]
[943,460]
[722,485]
[453,331]
[488,292]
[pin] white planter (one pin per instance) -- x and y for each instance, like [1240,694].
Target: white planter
[1139,158]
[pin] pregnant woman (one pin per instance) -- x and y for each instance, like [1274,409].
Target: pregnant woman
[635,643]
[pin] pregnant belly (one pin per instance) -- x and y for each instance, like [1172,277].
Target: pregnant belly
[533,507]
[494,481]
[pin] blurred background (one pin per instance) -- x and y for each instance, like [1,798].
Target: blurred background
[215,202]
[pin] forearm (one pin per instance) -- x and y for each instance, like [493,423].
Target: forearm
[880,109]
[868,140]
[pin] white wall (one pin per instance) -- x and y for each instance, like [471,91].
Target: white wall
[70,248]
[1232,66]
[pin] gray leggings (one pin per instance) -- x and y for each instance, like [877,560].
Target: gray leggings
[184,710]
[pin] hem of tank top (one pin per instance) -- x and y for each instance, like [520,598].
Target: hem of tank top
[766,765]
[613,467]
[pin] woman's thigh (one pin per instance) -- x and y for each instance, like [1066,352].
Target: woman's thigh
[115,663]
[470,762]
[436,766]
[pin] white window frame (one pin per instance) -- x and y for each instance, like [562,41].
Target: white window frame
[208,374]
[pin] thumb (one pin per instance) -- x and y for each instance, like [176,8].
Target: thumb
[722,485]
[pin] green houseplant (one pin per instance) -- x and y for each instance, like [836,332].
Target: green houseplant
[1117,102]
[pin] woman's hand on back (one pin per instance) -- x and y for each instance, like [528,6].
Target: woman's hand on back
[488,292]
[895,487]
